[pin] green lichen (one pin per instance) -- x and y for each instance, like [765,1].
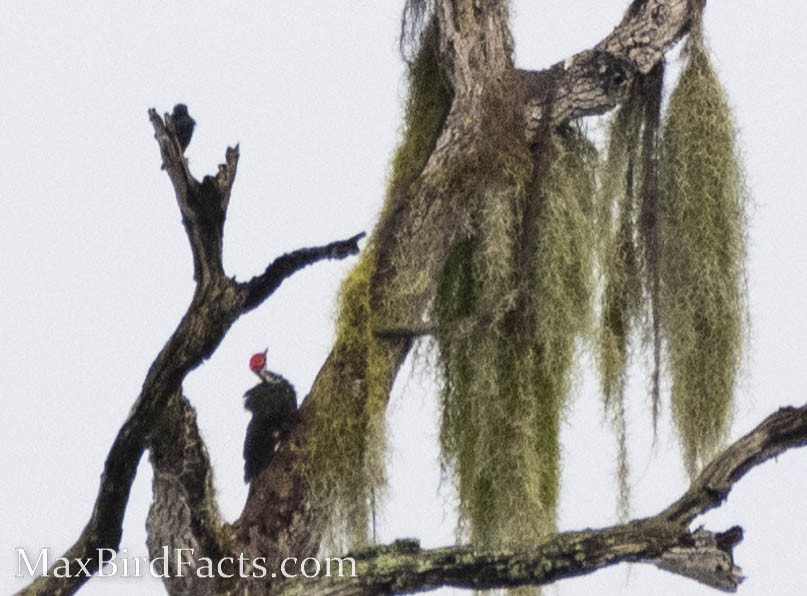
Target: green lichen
[622,295]
[496,246]
[425,111]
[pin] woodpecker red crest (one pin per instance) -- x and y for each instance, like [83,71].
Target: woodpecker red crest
[258,362]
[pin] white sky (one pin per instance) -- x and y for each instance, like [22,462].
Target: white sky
[96,269]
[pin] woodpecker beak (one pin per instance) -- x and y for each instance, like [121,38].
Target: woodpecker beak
[261,373]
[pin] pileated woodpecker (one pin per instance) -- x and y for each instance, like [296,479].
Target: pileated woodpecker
[273,403]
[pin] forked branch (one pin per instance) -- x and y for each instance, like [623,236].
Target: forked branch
[217,303]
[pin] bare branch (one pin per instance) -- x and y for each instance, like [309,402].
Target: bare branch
[782,430]
[260,287]
[595,80]
[217,303]
[203,205]
[403,567]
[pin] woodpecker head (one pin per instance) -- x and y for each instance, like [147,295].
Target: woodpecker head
[257,363]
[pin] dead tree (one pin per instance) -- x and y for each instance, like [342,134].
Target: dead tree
[277,520]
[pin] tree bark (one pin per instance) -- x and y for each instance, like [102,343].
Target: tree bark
[184,513]
[218,301]
[277,521]
[476,49]
[663,540]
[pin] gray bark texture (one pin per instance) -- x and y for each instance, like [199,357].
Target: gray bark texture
[278,520]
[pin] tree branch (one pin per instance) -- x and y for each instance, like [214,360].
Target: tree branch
[476,55]
[216,304]
[203,205]
[184,513]
[782,430]
[261,286]
[594,81]
[587,83]
[663,540]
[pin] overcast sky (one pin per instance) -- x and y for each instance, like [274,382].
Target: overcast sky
[96,271]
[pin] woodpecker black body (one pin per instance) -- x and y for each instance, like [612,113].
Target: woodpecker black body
[273,404]
[183,125]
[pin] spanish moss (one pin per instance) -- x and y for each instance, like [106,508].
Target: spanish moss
[629,265]
[511,305]
[702,257]
[348,441]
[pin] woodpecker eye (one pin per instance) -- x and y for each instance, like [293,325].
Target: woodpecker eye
[257,362]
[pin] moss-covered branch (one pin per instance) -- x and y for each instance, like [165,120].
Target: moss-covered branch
[664,540]
[404,567]
[467,171]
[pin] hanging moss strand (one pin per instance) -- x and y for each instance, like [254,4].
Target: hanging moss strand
[702,256]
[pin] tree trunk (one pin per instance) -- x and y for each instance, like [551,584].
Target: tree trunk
[475,52]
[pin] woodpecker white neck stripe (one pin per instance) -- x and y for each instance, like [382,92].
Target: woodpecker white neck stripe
[269,377]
